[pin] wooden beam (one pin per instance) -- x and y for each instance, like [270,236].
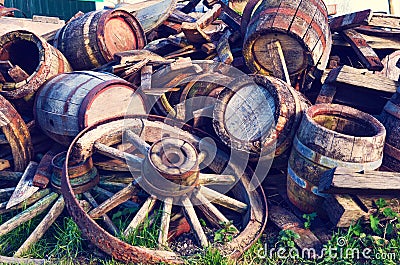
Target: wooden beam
[385,21]
[364,52]
[376,42]
[342,210]
[361,78]
[351,20]
[341,181]
[286,220]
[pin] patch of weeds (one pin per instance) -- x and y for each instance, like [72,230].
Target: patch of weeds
[146,235]
[210,256]
[308,219]
[225,234]
[69,241]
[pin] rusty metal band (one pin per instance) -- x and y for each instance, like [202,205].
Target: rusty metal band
[392,151]
[305,184]
[392,109]
[330,162]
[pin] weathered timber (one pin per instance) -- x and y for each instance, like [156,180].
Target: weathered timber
[329,136]
[224,49]
[141,215]
[343,211]
[389,41]
[385,21]
[27,214]
[351,20]
[364,52]
[44,170]
[286,220]
[223,200]
[305,38]
[341,181]
[150,14]
[194,31]
[12,260]
[31,200]
[390,69]
[43,226]
[38,59]
[25,188]
[92,39]
[145,77]
[358,88]
[17,135]
[194,222]
[72,101]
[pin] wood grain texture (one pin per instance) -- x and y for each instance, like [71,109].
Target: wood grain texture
[351,20]
[340,181]
[343,211]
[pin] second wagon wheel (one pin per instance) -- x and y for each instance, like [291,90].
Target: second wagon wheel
[177,180]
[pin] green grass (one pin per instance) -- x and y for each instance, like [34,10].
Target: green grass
[64,244]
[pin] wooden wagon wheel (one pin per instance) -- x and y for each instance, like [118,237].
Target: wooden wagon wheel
[16,135]
[181,185]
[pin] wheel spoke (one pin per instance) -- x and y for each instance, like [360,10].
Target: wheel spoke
[117,199]
[28,214]
[207,179]
[133,160]
[165,220]
[211,212]
[44,225]
[138,142]
[141,215]
[105,194]
[111,226]
[223,200]
[194,221]
[112,186]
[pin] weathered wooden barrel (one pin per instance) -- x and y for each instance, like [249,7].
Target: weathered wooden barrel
[70,102]
[390,118]
[242,120]
[39,60]
[150,14]
[92,40]
[301,27]
[329,136]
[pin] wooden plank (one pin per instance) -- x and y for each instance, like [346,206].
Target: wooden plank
[375,42]
[351,20]
[364,52]
[224,49]
[361,78]
[343,211]
[341,181]
[194,31]
[286,220]
[385,21]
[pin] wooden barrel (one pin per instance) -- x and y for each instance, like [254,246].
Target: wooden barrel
[242,120]
[390,118]
[329,136]
[39,60]
[92,40]
[301,27]
[70,102]
[150,14]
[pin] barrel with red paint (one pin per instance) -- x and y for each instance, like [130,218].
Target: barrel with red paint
[329,136]
[301,26]
[92,40]
[38,59]
[70,102]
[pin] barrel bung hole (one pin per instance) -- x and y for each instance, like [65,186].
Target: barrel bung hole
[23,53]
[346,124]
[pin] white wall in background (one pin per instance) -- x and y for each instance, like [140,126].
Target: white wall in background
[348,6]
